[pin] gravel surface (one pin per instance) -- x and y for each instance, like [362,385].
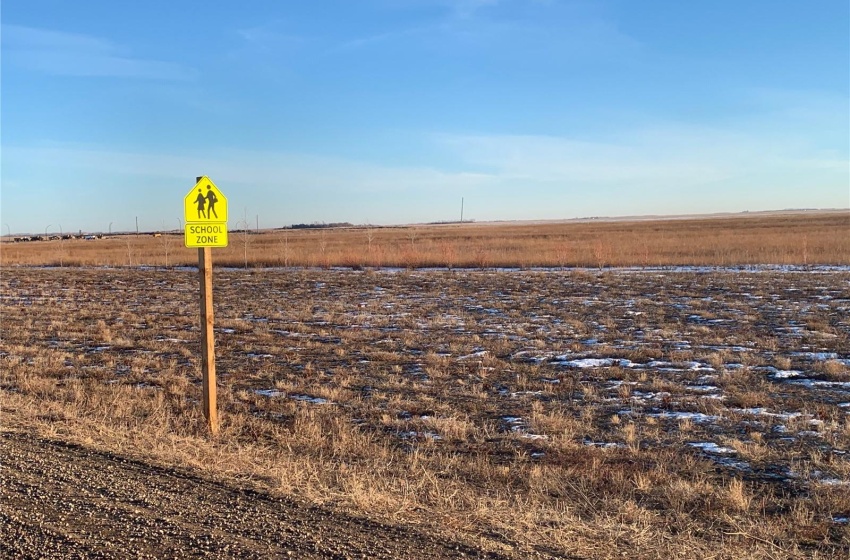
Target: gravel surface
[64,501]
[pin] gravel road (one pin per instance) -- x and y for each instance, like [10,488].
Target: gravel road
[64,501]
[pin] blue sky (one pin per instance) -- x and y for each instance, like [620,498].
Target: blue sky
[391,111]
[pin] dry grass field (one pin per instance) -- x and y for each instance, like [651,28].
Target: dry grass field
[585,413]
[807,238]
[504,385]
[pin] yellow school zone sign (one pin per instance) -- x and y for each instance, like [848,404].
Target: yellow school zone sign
[205,211]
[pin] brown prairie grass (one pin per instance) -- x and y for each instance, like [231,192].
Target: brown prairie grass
[448,402]
[808,238]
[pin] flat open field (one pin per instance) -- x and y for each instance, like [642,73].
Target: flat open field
[803,238]
[589,414]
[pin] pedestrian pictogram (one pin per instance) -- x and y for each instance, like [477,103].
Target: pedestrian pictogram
[205,203]
[205,211]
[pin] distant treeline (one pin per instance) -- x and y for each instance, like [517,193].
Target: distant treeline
[55,237]
[322,225]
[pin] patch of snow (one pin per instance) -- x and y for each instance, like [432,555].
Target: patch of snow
[584,363]
[617,383]
[703,388]
[533,436]
[271,393]
[530,356]
[310,399]
[698,366]
[518,425]
[710,447]
[695,416]
[731,463]
[787,374]
[415,435]
[817,356]
[143,385]
[642,395]
[658,364]
[833,482]
[813,383]
[479,354]
[604,444]
[765,412]
[288,333]
[524,393]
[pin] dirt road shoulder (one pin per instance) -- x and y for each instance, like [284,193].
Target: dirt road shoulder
[59,500]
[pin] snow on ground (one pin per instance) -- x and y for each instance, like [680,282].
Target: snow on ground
[688,354]
[710,447]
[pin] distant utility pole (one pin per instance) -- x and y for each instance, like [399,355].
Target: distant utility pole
[461,209]
[137,225]
[258,223]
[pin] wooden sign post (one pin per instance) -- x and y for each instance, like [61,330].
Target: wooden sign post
[205,210]
[207,339]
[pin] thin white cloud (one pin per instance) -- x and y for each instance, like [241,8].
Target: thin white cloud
[72,54]
[468,8]
[565,32]
[269,36]
[296,171]
[22,37]
[662,157]
[789,133]
[388,36]
[553,159]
